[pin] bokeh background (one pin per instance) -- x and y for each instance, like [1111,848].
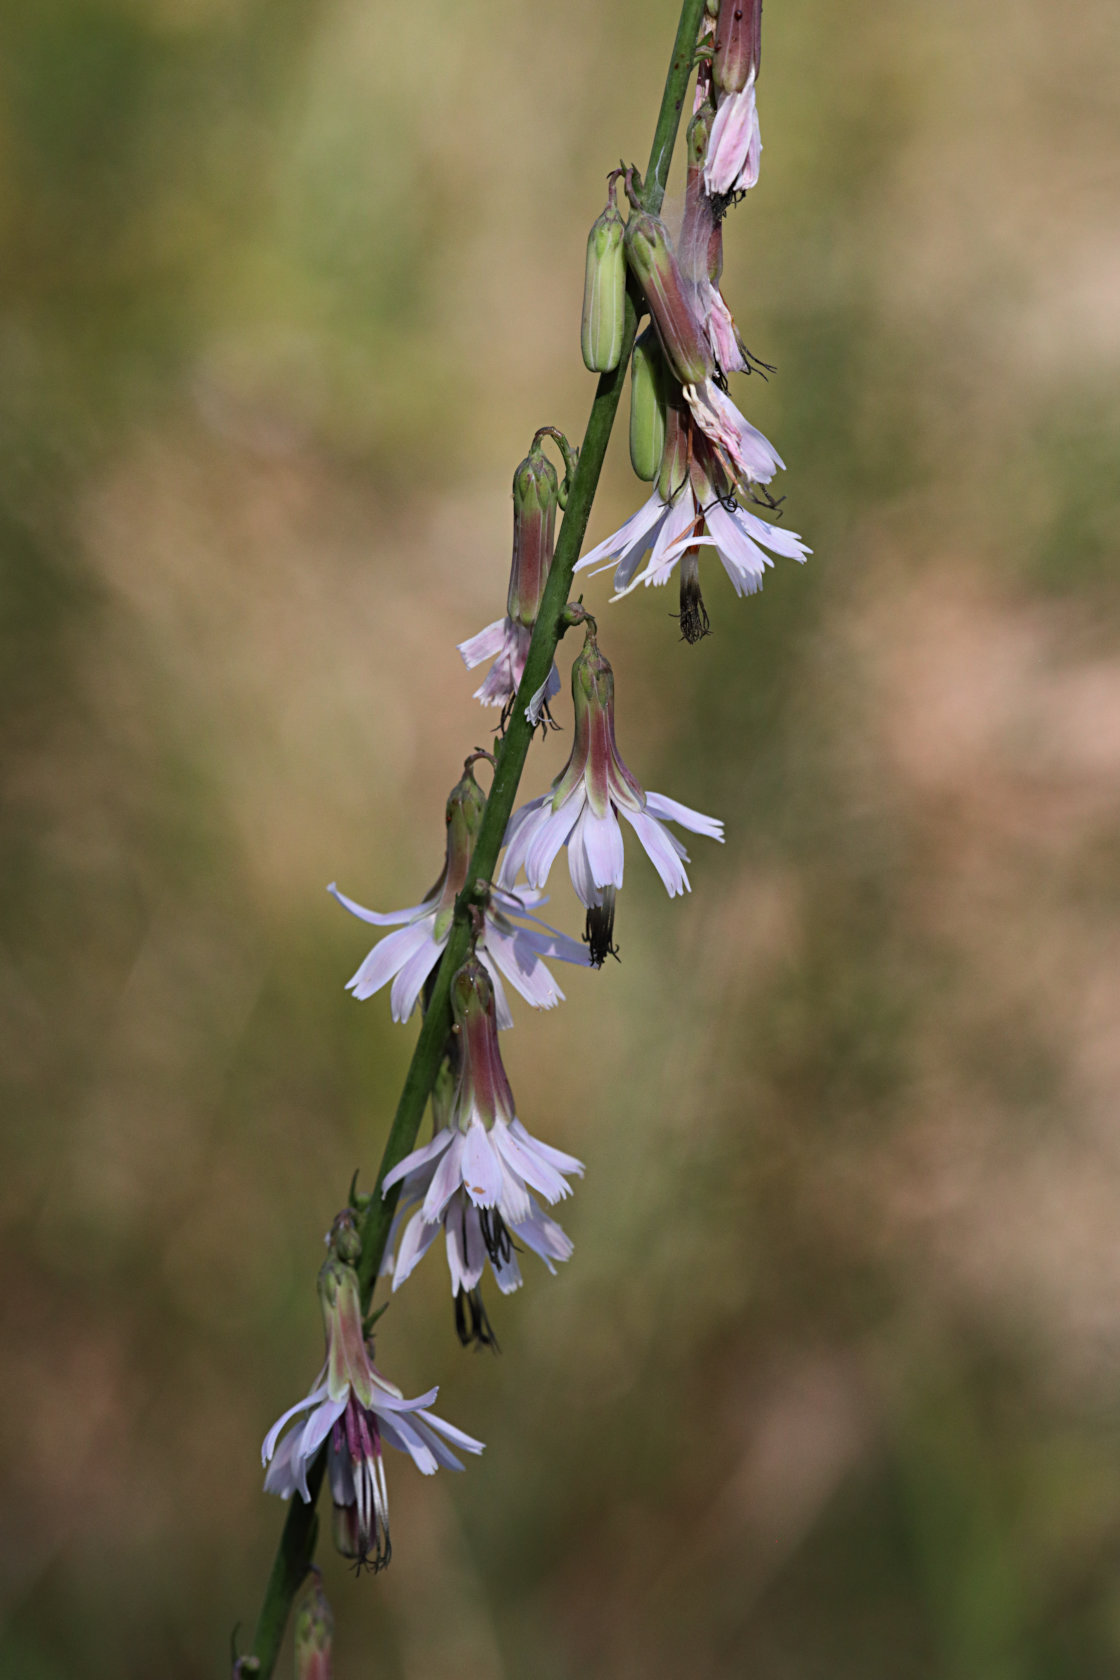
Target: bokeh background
[831,1387]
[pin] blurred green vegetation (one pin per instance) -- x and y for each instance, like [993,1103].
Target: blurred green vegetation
[829,1388]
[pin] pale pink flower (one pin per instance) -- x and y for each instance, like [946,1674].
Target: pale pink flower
[582,809]
[352,1409]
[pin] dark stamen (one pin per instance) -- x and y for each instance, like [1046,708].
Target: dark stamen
[471,1321]
[495,1234]
[693,618]
[599,931]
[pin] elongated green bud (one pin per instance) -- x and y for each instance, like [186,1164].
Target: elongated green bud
[536,494]
[647,406]
[604,293]
[314,1632]
[649,252]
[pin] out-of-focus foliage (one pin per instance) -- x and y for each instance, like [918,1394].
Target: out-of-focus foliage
[830,1388]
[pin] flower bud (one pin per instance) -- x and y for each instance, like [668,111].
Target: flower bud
[738,44]
[604,293]
[340,1302]
[483,1088]
[314,1629]
[465,804]
[650,255]
[647,406]
[595,758]
[536,494]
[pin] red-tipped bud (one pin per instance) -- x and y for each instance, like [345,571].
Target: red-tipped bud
[738,44]
[647,406]
[649,252]
[604,294]
[536,495]
[483,1088]
[595,758]
[314,1632]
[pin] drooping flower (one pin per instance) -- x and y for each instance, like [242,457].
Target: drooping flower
[352,1408]
[536,496]
[512,942]
[692,507]
[475,1180]
[583,808]
[735,145]
[686,336]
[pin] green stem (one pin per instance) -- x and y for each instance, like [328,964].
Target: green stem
[298,1539]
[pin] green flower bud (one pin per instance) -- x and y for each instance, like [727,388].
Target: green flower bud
[647,406]
[536,495]
[604,293]
[314,1631]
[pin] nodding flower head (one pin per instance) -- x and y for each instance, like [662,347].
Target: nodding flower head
[536,496]
[581,812]
[352,1409]
[477,1178]
[512,941]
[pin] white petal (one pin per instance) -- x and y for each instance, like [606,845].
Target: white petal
[528,1164]
[671,810]
[660,850]
[556,1157]
[446,1181]
[419,1158]
[551,835]
[409,983]
[389,957]
[601,839]
[481,1169]
[519,837]
[318,1393]
[379,918]
[418,1238]
[522,967]
[628,536]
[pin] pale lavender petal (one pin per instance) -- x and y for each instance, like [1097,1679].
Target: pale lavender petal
[583,883]
[315,1432]
[522,827]
[774,537]
[524,970]
[601,839]
[734,144]
[385,1400]
[671,810]
[282,1477]
[446,1181]
[557,1157]
[419,1158]
[418,1238]
[486,645]
[549,942]
[507,1272]
[546,1238]
[466,1251]
[460,1437]
[551,835]
[410,981]
[660,850]
[481,1169]
[529,1164]
[389,957]
[318,1393]
[636,531]
[379,918]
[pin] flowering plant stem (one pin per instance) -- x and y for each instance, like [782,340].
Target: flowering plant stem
[297,1542]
